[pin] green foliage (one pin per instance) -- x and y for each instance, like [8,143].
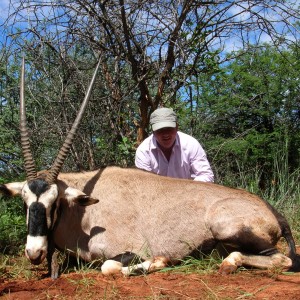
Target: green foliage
[10,160]
[117,152]
[12,225]
[248,113]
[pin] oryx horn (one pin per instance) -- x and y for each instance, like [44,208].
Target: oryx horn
[29,164]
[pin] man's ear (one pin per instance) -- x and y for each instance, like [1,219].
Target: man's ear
[12,189]
[78,197]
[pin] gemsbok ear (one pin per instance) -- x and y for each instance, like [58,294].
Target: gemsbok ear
[12,189]
[85,200]
[78,197]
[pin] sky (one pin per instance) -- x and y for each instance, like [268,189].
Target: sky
[231,43]
[234,44]
[4,4]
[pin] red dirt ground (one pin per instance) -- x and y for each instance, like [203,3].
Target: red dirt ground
[93,285]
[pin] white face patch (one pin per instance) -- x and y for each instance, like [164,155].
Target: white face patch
[71,194]
[36,248]
[15,187]
[47,198]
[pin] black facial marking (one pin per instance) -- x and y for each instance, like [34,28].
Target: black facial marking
[38,186]
[37,222]
[52,214]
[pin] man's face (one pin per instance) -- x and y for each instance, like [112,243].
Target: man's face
[165,137]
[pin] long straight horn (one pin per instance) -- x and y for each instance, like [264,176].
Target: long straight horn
[29,164]
[64,150]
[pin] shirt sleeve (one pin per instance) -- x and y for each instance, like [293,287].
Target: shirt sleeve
[200,167]
[142,159]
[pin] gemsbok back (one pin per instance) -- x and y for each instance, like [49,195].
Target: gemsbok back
[139,221]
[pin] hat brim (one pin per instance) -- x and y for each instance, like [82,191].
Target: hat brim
[161,125]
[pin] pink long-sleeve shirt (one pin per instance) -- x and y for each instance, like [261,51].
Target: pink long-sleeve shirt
[188,159]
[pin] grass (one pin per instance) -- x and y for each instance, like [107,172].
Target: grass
[17,266]
[83,284]
[14,267]
[206,265]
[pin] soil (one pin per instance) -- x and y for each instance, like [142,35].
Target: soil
[246,284]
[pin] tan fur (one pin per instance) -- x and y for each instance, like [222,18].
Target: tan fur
[151,215]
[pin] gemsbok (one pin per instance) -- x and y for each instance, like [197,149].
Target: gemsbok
[135,221]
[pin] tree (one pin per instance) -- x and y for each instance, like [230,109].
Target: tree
[151,53]
[10,156]
[150,50]
[249,115]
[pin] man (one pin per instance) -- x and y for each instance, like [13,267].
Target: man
[170,152]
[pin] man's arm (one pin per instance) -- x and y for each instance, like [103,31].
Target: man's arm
[142,159]
[200,167]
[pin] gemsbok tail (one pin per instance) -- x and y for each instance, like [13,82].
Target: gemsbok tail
[288,236]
